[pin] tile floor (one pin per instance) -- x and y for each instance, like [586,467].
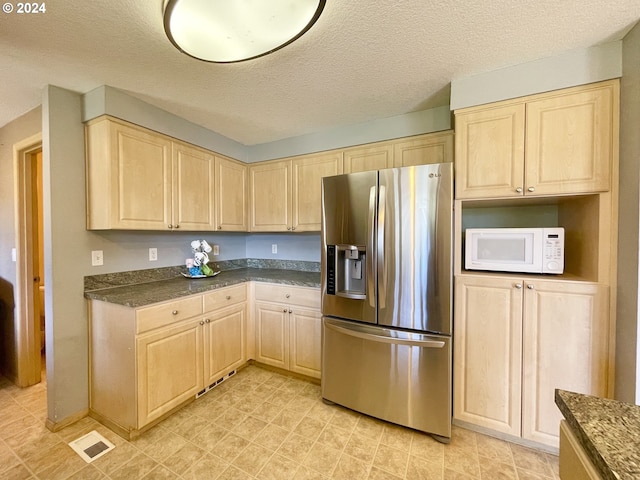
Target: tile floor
[256,425]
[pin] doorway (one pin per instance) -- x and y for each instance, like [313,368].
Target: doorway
[30,287]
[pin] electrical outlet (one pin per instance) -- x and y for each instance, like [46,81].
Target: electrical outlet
[216,249]
[14,256]
[153,254]
[97,258]
[274,248]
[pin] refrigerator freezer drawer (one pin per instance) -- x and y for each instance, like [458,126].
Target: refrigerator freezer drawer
[401,377]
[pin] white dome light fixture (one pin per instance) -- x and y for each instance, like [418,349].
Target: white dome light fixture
[228,31]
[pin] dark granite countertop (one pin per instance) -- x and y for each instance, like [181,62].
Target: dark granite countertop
[142,294]
[608,430]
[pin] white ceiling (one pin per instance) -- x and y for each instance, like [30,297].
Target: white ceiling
[363,60]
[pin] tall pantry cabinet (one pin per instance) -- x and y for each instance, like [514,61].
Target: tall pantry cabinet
[547,160]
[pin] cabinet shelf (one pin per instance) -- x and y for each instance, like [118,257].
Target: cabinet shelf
[585,219]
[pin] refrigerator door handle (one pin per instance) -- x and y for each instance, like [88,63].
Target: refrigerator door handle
[382,265]
[359,333]
[371,291]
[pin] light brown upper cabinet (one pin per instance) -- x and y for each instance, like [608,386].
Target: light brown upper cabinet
[231,195]
[286,194]
[138,179]
[423,149]
[368,157]
[270,191]
[193,171]
[128,177]
[405,152]
[560,142]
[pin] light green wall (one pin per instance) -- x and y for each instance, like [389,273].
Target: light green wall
[111,101]
[114,102]
[66,242]
[627,344]
[577,67]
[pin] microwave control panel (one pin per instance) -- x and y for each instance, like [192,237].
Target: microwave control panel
[554,251]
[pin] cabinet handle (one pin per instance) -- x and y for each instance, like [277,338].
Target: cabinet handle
[175,312]
[290,311]
[519,190]
[228,297]
[176,226]
[285,310]
[170,226]
[293,228]
[201,322]
[518,285]
[287,295]
[288,228]
[531,189]
[207,320]
[530,286]
[219,227]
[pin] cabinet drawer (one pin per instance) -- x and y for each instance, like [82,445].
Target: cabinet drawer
[304,297]
[225,297]
[163,314]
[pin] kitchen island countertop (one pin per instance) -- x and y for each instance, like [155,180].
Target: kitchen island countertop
[142,294]
[608,430]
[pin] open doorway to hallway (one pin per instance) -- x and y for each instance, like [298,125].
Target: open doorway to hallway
[30,291]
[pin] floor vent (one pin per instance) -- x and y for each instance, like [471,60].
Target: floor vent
[215,384]
[91,446]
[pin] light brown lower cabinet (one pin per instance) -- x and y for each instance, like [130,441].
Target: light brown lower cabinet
[574,461]
[288,328]
[518,339]
[170,366]
[145,362]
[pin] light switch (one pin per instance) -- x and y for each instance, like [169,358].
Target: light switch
[97,258]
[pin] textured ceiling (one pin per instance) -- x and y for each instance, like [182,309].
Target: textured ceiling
[363,60]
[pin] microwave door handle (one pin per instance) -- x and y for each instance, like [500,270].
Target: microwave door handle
[370,266]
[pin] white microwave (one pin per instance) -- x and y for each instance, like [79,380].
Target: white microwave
[526,250]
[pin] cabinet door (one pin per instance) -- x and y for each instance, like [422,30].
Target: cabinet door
[232,213]
[305,341]
[272,334]
[490,152]
[225,342]
[270,190]
[307,187]
[565,346]
[141,179]
[367,158]
[570,141]
[170,369]
[193,184]
[487,352]
[425,149]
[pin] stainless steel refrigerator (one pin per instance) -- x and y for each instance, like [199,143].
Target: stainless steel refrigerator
[386,294]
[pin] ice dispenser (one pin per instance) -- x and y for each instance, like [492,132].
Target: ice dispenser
[346,271]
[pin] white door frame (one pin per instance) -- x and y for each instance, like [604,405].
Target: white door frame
[27,323]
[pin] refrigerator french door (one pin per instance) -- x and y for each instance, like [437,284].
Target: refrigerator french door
[386,294]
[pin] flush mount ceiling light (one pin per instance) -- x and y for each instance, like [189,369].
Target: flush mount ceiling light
[227,31]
